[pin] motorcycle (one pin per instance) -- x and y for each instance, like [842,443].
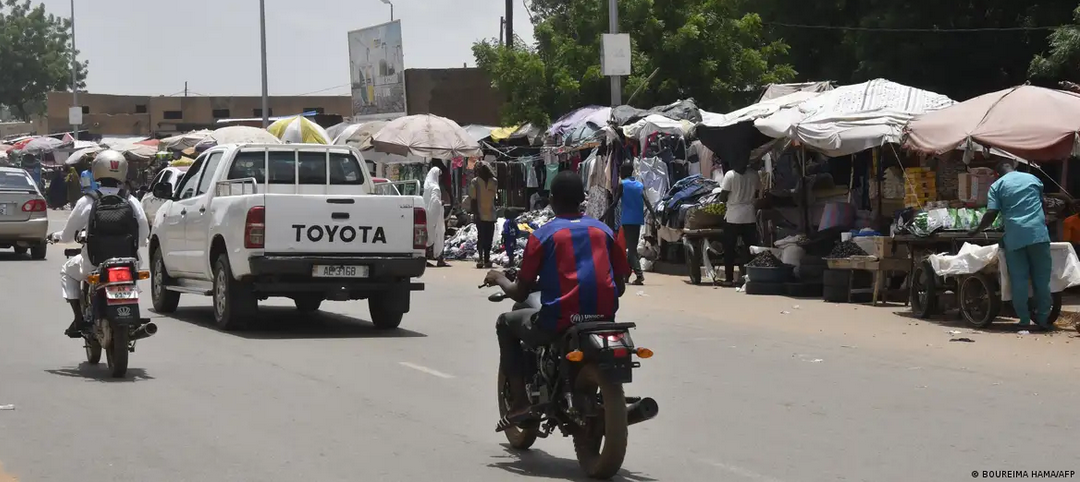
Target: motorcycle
[575,384]
[110,307]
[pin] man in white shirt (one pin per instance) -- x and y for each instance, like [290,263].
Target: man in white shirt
[738,190]
[110,169]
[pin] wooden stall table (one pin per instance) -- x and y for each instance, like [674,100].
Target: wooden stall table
[875,265]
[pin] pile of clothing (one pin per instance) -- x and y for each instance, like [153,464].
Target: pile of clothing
[462,246]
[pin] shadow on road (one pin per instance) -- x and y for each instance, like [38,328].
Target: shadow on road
[100,373]
[1003,324]
[285,323]
[537,463]
[7,256]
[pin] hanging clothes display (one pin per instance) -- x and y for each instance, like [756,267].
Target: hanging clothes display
[653,174]
[552,170]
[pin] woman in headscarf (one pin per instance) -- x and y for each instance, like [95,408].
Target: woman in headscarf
[57,190]
[74,186]
[433,203]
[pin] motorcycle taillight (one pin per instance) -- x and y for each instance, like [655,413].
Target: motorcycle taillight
[118,274]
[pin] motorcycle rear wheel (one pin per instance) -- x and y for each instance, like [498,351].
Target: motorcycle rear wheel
[117,354]
[601,445]
[519,438]
[93,350]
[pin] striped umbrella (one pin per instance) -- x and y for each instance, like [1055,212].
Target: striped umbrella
[299,129]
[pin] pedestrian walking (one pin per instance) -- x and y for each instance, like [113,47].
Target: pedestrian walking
[738,190]
[483,191]
[631,194]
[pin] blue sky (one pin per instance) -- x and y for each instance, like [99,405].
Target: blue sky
[150,47]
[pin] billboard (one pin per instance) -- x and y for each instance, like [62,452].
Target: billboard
[377,72]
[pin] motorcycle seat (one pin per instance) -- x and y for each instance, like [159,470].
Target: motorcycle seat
[598,326]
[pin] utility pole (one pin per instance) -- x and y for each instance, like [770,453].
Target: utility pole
[502,31]
[613,27]
[265,89]
[185,88]
[509,23]
[74,73]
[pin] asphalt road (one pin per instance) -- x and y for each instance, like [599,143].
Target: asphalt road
[746,393]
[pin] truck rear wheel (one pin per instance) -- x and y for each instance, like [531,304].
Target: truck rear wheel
[385,311]
[234,303]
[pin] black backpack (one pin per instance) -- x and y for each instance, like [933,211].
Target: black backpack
[113,228]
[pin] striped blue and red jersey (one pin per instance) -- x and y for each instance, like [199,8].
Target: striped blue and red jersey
[574,260]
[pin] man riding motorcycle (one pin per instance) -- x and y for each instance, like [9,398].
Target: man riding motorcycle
[109,169]
[581,270]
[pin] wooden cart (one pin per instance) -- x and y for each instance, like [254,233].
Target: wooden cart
[695,243]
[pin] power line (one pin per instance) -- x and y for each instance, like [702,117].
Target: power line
[916,30]
[323,90]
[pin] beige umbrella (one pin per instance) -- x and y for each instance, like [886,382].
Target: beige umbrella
[1034,123]
[186,140]
[428,136]
[359,135]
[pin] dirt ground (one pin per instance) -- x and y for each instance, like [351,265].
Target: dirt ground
[892,327]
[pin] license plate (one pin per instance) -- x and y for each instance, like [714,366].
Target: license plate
[339,271]
[122,294]
[4,209]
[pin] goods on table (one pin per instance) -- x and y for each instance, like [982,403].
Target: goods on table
[765,260]
[716,209]
[846,249]
[462,245]
[948,219]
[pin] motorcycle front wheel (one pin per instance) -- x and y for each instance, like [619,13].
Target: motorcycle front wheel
[117,354]
[601,445]
[519,438]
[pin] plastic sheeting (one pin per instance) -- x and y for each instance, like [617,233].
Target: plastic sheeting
[853,118]
[654,123]
[972,259]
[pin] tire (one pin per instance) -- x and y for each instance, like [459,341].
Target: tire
[924,299]
[519,438]
[234,303]
[693,264]
[602,459]
[308,303]
[21,250]
[93,351]
[39,251]
[165,301]
[383,313]
[980,302]
[117,351]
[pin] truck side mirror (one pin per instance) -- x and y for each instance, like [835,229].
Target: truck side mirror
[162,191]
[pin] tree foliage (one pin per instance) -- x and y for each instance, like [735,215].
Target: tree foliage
[712,50]
[1063,60]
[720,51]
[35,56]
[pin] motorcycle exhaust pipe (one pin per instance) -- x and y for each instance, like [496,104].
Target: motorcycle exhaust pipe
[641,410]
[145,331]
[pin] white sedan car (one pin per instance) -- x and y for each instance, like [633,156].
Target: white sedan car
[169,176]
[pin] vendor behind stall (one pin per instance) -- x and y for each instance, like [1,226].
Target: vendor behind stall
[1017,196]
[738,191]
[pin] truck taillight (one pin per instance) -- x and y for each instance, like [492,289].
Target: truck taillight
[419,230]
[35,206]
[255,228]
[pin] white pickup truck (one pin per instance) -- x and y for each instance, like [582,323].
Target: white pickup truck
[248,222]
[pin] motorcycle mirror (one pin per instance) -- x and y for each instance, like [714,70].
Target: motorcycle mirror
[497,297]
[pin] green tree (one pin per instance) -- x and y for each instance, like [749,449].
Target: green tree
[711,50]
[35,56]
[1063,60]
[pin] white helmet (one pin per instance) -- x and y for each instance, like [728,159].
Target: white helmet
[110,164]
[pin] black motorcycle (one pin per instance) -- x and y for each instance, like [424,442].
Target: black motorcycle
[110,306]
[575,384]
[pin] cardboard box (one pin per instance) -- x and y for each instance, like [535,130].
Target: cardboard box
[963,186]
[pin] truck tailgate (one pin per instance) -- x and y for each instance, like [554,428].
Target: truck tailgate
[339,224]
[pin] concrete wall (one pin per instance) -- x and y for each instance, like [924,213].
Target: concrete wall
[464,95]
[149,116]
[13,129]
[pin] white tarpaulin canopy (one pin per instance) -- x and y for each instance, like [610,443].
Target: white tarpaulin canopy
[756,111]
[852,118]
[654,123]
